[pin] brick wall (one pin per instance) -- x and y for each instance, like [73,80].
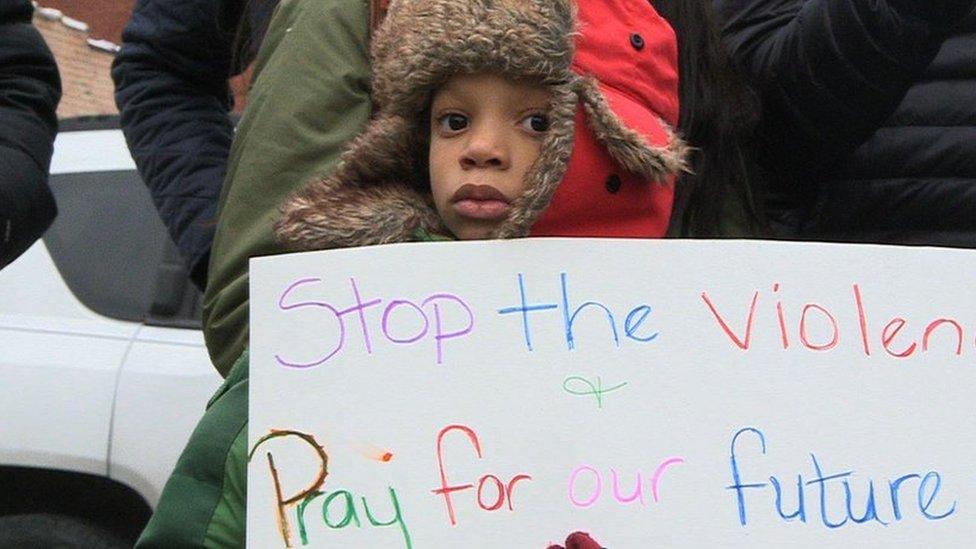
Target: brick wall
[86,84]
[85,71]
[104,17]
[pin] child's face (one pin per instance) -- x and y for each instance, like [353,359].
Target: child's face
[485,134]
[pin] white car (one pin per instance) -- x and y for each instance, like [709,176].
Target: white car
[103,370]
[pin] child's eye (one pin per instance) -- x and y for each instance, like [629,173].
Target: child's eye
[453,122]
[536,123]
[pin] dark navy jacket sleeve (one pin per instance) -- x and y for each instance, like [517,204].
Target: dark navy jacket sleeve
[29,92]
[171,88]
[829,72]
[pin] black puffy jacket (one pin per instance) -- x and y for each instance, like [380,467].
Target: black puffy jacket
[171,79]
[30,89]
[869,115]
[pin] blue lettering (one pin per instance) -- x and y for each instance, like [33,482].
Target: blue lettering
[524,309]
[633,326]
[821,480]
[923,506]
[871,513]
[737,478]
[801,511]
[929,489]
[568,319]
[893,486]
[633,322]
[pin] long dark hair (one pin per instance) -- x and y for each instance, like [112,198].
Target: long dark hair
[718,117]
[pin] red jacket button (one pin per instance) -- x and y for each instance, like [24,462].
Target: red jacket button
[637,41]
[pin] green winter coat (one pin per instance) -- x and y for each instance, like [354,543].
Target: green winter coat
[310,96]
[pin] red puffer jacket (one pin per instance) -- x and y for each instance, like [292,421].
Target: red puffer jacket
[633,52]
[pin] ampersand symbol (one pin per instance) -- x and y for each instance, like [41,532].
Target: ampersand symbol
[580,386]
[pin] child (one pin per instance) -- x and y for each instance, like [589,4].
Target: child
[487,126]
[382,190]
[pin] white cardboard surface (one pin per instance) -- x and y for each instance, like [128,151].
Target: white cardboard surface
[882,446]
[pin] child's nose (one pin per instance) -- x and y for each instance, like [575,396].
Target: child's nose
[485,149]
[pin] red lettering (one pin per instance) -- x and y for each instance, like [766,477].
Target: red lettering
[503,490]
[511,488]
[803,328]
[862,319]
[888,335]
[500,490]
[740,343]
[445,489]
[939,322]
[784,338]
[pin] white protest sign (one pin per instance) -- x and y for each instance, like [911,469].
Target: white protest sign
[505,394]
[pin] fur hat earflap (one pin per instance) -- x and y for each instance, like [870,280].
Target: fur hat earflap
[368,199]
[627,147]
[380,191]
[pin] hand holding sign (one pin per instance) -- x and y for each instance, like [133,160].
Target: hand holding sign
[578,540]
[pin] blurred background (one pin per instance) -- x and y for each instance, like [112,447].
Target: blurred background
[103,368]
[84,36]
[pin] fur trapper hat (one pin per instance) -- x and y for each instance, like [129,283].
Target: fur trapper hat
[380,191]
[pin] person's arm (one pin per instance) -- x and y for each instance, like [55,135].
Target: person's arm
[829,72]
[29,92]
[172,91]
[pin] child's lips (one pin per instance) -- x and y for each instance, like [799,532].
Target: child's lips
[482,209]
[480,202]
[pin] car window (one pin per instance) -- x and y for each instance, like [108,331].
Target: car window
[111,248]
